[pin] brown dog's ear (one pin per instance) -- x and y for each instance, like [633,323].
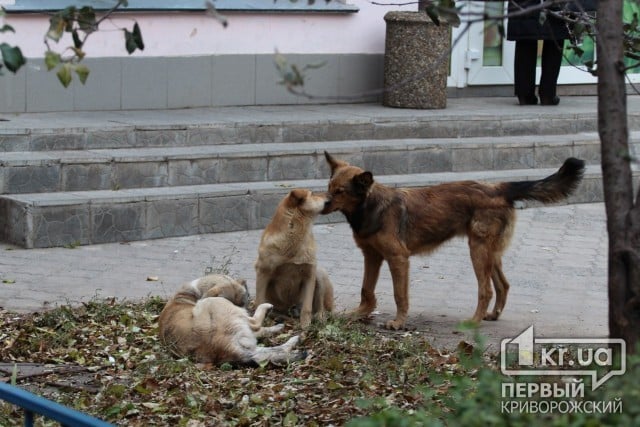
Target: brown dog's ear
[333,162]
[362,182]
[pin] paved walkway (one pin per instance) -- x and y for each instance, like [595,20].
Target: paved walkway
[557,266]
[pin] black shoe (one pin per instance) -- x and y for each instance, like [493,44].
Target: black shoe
[528,100]
[549,101]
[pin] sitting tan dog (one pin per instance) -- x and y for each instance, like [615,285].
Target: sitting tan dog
[286,272]
[206,320]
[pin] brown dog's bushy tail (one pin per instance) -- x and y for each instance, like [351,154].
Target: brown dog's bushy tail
[550,189]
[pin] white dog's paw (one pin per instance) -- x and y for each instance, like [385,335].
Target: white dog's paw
[265,306]
[292,342]
[278,327]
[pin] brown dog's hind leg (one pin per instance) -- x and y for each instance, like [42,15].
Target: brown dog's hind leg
[399,266]
[482,261]
[501,286]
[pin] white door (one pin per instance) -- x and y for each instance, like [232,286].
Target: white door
[488,59]
[483,57]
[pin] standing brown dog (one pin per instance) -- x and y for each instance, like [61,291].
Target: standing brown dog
[392,224]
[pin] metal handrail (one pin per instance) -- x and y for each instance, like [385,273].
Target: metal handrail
[34,404]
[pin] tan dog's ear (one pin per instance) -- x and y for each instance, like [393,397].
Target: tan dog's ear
[333,162]
[297,196]
[362,182]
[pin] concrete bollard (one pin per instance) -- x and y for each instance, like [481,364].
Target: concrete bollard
[416,61]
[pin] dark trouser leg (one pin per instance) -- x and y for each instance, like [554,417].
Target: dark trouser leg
[524,70]
[551,61]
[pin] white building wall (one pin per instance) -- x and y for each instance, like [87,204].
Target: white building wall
[191,60]
[185,34]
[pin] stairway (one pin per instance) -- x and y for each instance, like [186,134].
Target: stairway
[78,179]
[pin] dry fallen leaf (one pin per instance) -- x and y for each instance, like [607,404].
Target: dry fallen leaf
[111,349]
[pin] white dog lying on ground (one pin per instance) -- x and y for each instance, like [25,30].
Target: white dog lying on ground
[206,320]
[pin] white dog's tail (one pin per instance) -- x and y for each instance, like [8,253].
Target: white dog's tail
[279,355]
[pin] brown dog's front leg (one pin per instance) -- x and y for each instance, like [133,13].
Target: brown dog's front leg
[399,266]
[372,263]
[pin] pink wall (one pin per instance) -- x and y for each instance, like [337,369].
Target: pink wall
[184,34]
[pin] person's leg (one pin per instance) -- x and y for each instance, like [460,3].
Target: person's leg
[524,71]
[551,61]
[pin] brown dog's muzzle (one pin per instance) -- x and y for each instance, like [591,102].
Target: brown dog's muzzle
[327,207]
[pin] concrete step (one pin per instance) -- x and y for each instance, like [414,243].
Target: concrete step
[472,117]
[95,177]
[38,220]
[128,168]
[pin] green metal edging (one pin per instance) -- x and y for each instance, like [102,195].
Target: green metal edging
[323,6]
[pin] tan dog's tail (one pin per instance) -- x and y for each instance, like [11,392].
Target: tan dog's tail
[550,189]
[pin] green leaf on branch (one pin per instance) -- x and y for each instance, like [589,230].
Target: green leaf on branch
[542,18]
[133,40]
[83,73]
[291,74]
[314,66]
[432,12]
[64,75]
[579,29]
[68,14]
[56,28]
[137,36]
[12,57]
[7,27]
[129,43]
[87,20]
[449,13]
[51,59]
[578,51]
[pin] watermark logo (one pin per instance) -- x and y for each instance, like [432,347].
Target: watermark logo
[550,356]
[572,358]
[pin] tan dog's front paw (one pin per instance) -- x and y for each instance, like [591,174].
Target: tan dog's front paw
[321,316]
[305,319]
[395,324]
